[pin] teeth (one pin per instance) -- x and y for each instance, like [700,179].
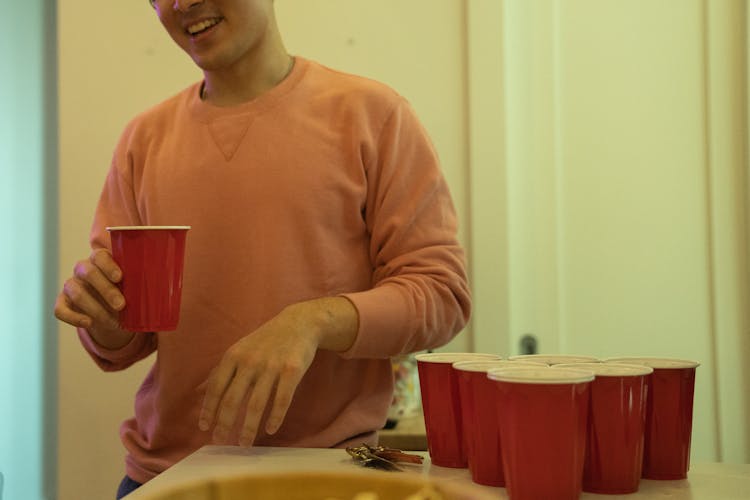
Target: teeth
[195,28]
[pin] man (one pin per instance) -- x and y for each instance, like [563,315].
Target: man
[323,242]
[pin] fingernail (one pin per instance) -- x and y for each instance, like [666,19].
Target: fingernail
[117,302]
[116,275]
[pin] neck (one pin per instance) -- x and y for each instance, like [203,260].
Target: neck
[242,84]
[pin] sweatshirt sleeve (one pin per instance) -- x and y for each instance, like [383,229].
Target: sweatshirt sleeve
[117,207]
[420,297]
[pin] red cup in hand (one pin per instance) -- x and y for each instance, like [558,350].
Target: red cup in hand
[151,259]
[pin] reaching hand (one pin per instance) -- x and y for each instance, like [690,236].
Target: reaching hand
[265,367]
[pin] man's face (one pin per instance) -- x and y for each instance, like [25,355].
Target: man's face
[217,34]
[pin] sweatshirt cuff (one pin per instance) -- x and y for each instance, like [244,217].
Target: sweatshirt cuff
[386,322]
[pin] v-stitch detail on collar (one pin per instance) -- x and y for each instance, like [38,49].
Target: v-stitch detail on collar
[228,133]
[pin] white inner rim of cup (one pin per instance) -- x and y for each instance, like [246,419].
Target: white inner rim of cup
[453,357]
[555,359]
[609,369]
[656,362]
[135,228]
[485,366]
[541,375]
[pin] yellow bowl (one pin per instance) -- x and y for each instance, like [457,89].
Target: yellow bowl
[365,485]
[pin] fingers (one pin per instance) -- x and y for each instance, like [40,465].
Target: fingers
[103,260]
[101,273]
[90,297]
[65,312]
[217,384]
[229,386]
[80,306]
[256,405]
[285,389]
[229,409]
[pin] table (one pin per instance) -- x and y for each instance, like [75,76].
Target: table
[409,434]
[709,481]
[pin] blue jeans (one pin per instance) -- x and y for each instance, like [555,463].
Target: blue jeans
[126,486]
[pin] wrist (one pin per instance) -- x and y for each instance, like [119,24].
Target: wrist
[334,322]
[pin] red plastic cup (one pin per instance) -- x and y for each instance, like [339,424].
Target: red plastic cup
[542,415]
[151,259]
[617,418]
[481,430]
[441,402]
[669,416]
[554,359]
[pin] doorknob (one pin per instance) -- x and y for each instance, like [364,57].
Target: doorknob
[528,344]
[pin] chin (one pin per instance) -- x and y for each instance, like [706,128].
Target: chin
[205,63]
[210,63]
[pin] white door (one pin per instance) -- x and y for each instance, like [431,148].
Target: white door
[621,189]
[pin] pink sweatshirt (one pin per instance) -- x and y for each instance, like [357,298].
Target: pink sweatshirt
[326,185]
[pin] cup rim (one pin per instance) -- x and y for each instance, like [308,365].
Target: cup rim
[541,375]
[609,369]
[453,357]
[136,228]
[655,362]
[571,358]
[487,365]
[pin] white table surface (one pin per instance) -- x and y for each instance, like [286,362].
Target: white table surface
[709,481]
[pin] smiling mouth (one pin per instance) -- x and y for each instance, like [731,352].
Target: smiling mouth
[198,28]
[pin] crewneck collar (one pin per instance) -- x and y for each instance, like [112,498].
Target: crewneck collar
[206,112]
